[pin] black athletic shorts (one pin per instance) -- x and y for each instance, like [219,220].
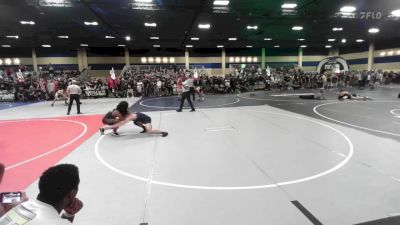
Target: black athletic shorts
[142,118]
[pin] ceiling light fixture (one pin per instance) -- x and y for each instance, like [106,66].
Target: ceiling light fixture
[92,23]
[128,38]
[8,61]
[220,46]
[344,40]
[121,45]
[252,27]
[154,38]
[63,36]
[289,6]
[348,9]
[297,28]
[110,37]
[204,26]
[328,46]
[396,13]
[84,45]
[359,40]
[390,53]
[1,62]
[277,46]
[16,61]
[303,46]
[337,29]
[249,46]
[194,38]
[6,46]
[218,2]
[267,39]
[331,40]
[12,36]
[171,60]
[27,22]
[150,24]
[301,39]
[156,46]
[232,39]
[382,54]
[373,30]
[144,1]
[46,46]
[189,46]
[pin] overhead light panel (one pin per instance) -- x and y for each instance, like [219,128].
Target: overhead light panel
[344,40]
[16,61]
[12,36]
[328,46]
[156,46]
[297,28]
[27,22]
[289,6]
[331,40]
[154,38]
[337,29]
[8,61]
[390,53]
[128,38]
[396,13]
[303,46]
[63,36]
[277,46]
[55,3]
[382,54]
[204,26]
[194,38]
[348,9]
[121,45]
[171,60]
[373,30]
[144,1]
[91,23]
[249,46]
[359,40]
[150,24]
[232,39]
[223,3]
[84,45]
[110,37]
[1,62]
[301,39]
[220,46]
[46,46]
[189,46]
[252,27]
[6,46]
[267,39]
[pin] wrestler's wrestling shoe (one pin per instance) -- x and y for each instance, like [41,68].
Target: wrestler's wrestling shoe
[101,131]
[164,134]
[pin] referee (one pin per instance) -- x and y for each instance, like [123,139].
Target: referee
[74,92]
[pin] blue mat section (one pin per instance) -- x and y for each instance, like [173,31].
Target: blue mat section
[7,105]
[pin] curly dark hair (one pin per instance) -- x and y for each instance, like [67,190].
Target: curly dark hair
[56,182]
[122,107]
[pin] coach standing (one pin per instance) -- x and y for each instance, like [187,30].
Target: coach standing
[74,92]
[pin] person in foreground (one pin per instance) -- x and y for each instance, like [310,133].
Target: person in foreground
[346,95]
[56,203]
[121,115]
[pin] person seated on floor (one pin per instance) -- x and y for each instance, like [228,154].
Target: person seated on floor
[319,96]
[58,187]
[5,207]
[346,95]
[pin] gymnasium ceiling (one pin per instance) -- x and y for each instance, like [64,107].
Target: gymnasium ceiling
[177,22]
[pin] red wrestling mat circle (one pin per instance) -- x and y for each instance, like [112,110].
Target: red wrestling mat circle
[28,147]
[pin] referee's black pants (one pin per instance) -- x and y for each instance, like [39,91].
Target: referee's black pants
[186,95]
[75,97]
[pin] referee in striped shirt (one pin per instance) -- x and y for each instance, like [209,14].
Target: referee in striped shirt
[74,92]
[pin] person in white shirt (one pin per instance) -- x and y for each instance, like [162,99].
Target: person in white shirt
[186,94]
[74,92]
[58,188]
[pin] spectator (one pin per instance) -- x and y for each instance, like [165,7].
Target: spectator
[58,187]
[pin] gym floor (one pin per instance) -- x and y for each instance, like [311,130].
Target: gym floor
[253,158]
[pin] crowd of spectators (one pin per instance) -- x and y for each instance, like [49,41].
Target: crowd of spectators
[134,83]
